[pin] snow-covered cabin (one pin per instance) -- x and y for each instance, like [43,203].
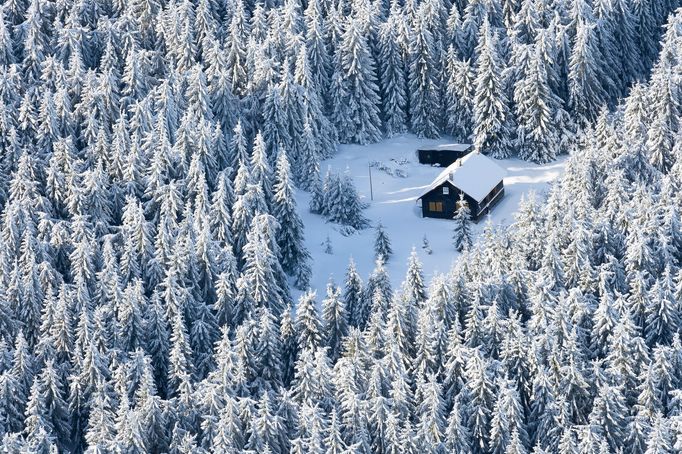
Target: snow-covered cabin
[477,176]
[443,155]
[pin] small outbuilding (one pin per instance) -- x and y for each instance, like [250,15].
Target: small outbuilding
[443,155]
[478,177]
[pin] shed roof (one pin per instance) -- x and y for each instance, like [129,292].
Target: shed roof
[474,174]
[458,147]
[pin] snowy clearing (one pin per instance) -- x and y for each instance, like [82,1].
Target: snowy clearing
[395,206]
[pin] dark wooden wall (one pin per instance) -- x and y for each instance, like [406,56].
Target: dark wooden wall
[449,202]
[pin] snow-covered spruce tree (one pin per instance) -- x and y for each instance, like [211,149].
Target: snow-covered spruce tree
[422,80]
[620,24]
[342,203]
[665,97]
[308,324]
[308,165]
[316,204]
[293,254]
[353,296]
[537,113]
[335,319]
[459,96]
[222,201]
[392,76]
[382,245]
[317,49]
[261,170]
[236,49]
[237,149]
[356,70]
[313,114]
[462,235]
[492,132]
[414,286]
[276,126]
[586,78]
[247,205]
[474,14]
[262,281]
[328,249]
[339,112]
[331,187]
[431,411]
[378,288]
[294,108]
[287,334]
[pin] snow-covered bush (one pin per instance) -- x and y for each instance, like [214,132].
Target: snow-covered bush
[341,203]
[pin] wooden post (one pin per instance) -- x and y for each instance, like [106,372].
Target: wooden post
[371,189]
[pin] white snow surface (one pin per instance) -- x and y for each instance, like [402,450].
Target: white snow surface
[394,204]
[475,174]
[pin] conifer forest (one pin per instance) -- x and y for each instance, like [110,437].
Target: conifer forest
[155,282]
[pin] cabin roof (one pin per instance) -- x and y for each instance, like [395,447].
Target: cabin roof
[454,147]
[474,174]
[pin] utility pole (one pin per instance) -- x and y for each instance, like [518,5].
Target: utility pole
[371,190]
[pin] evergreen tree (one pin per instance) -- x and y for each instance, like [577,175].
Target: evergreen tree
[262,283]
[359,122]
[269,348]
[260,171]
[491,111]
[382,245]
[180,355]
[328,246]
[457,435]
[335,318]
[609,412]
[659,436]
[586,78]
[308,167]
[351,205]
[392,76]
[294,256]
[314,116]
[663,318]
[308,326]
[459,96]
[431,416]
[537,112]
[353,297]
[414,286]
[462,234]
[422,81]
[479,394]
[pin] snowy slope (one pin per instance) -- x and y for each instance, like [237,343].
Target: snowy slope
[395,206]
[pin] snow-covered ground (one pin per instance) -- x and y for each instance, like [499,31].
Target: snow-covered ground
[394,205]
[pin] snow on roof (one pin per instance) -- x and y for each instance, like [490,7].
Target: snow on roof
[449,147]
[474,174]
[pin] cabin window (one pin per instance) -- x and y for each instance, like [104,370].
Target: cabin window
[446,190]
[436,206]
